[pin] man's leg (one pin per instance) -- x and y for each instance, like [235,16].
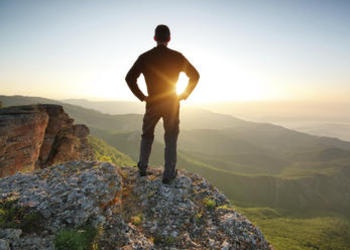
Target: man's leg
[150,120]
[171,127]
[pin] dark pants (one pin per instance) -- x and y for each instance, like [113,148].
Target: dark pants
[167,109]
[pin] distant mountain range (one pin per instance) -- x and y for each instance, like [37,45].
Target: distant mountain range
[318,118]
[109,107]
[255,164]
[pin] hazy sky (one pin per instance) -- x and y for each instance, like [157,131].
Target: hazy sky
[244,50]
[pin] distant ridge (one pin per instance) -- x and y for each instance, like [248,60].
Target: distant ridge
[109,107]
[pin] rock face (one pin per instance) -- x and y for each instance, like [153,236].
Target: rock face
[131,212]
[36,136]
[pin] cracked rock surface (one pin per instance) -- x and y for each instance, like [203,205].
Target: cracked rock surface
[131,212]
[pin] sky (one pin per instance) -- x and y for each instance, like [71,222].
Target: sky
[244,50]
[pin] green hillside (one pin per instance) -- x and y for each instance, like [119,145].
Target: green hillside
[285,230]
[105,152]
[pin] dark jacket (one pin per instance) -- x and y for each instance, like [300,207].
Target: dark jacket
[161,67]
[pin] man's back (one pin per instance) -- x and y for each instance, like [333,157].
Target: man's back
[161,67]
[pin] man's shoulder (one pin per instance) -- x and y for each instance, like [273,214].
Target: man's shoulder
[145,53]
[148,51]
[155,50]
[175,52]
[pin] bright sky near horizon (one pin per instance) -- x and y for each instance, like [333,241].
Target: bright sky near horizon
[244,50]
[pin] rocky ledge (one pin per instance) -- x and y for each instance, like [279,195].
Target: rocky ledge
[116,209]
[37,136]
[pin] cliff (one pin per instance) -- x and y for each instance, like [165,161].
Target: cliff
[109,207]
[37,136]
[55,197]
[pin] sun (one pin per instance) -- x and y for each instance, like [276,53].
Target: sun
[181,83]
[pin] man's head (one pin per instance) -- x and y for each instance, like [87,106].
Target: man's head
[162,34]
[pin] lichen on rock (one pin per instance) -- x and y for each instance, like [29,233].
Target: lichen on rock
[128,211]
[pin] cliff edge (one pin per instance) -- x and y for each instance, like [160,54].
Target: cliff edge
[125,211]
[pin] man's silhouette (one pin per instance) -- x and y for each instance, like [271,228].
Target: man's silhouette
[161,67]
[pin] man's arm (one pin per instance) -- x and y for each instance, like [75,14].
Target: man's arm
[131,80]
[193,76]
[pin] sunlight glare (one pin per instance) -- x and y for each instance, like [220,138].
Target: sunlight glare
[181,83]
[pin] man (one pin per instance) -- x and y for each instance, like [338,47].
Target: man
[161,67]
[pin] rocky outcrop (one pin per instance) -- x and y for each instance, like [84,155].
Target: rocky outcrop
[130,212]
[36,136]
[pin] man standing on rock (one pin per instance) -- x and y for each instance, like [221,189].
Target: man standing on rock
[161,67]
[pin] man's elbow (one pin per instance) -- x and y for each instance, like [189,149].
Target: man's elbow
[131,81]
[127,78]
[196,77]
